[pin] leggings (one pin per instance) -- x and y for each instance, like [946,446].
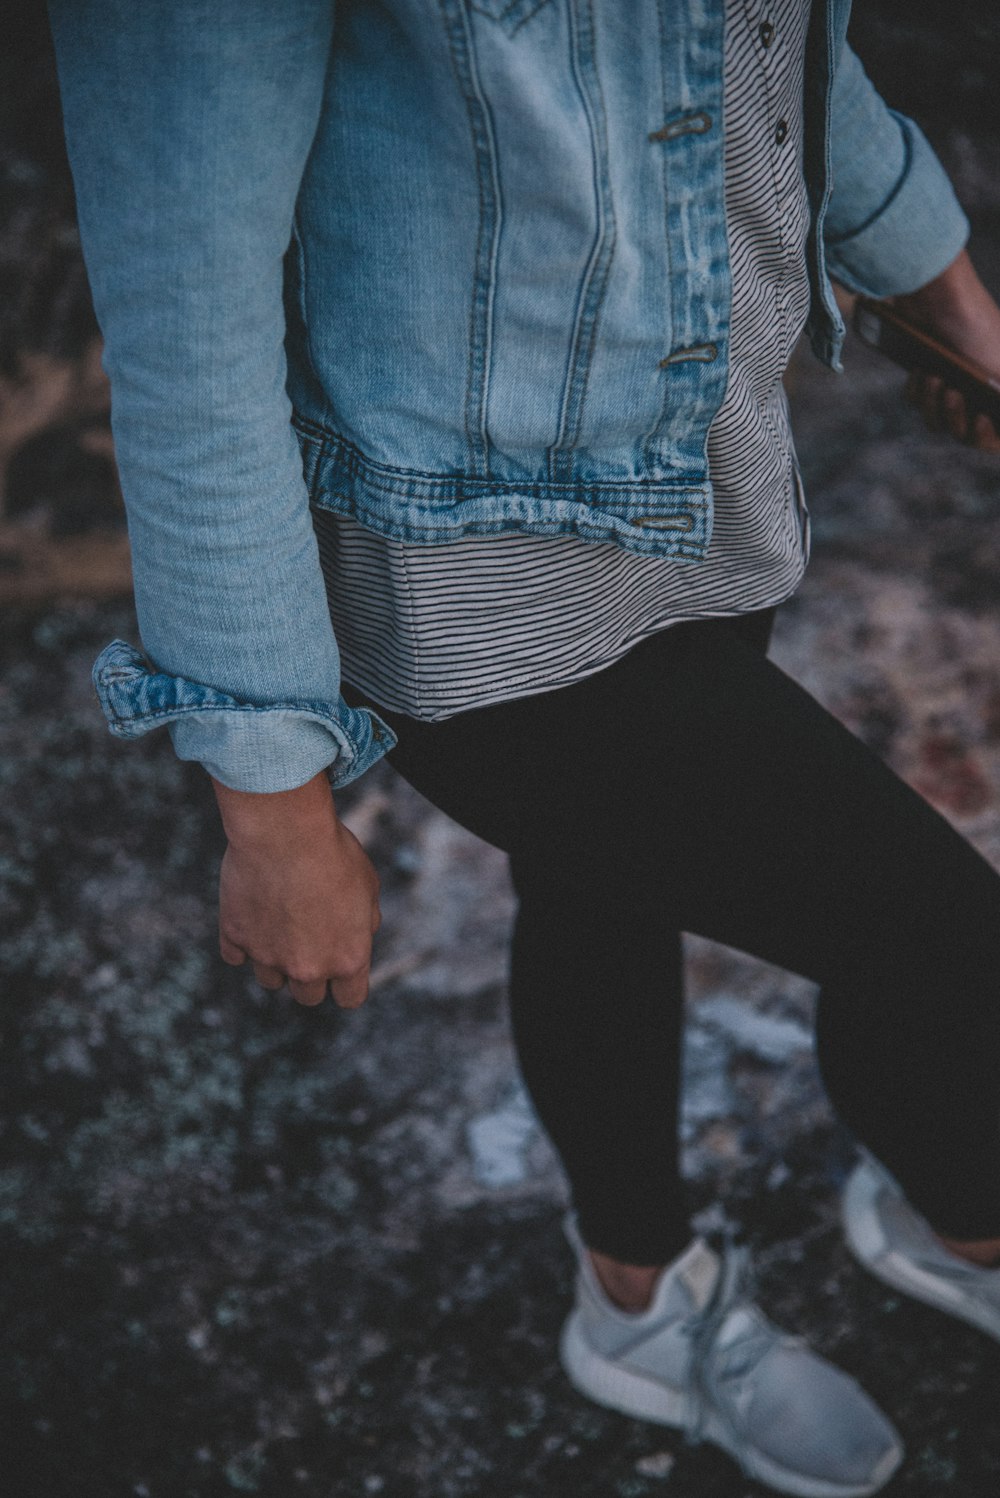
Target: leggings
[693,786]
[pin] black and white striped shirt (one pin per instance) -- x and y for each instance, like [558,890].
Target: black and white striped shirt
[433,630]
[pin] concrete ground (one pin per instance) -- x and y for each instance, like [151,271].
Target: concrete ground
[254,1249]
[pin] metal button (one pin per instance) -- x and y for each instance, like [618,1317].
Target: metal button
[781,133]
[766,33]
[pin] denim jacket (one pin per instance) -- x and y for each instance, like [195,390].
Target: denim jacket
[450,267]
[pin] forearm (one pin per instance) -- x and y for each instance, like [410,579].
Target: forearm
[958,306]
[189,125]
[280,822]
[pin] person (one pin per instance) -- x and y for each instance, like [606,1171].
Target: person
[446,345]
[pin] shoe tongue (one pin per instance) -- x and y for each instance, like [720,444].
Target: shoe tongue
[696,1272]
[739,1321]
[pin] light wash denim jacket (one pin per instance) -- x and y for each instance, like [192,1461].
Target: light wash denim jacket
[450,267]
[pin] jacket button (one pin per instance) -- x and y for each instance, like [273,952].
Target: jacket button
[781,133]
[766,33]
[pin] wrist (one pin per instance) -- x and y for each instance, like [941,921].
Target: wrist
[274,819]
[951,296]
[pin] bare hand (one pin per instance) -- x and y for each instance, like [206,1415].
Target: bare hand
[298,895]
[958,310]
[945,410]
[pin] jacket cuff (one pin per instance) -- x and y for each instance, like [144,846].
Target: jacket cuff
[249,747]
[916,233]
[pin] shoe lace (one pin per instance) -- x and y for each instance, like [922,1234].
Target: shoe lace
[735,1285]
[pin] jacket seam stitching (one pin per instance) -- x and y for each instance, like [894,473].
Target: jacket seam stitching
[425,534]
[599,261]
[503,17]
[383,477]
[217,707]
[480,310]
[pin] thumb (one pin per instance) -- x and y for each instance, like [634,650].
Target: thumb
[230,952]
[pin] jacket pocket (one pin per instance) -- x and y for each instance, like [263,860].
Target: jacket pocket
[510,14]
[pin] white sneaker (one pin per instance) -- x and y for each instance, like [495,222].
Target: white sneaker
[704,1358]
[890,1238]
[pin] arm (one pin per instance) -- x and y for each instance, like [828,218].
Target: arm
[956,307]
[188,126]
[894,228]
[893,222]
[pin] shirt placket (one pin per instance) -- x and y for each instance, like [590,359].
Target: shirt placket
[770,24]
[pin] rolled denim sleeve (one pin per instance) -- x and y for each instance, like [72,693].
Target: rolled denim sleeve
[189,124]
[893,221]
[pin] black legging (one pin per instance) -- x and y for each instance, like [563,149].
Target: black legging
[693,786]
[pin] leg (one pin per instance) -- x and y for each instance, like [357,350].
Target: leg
[697,771]
[607,1091]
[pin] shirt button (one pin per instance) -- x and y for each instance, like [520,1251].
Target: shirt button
[766,33]
[781,133]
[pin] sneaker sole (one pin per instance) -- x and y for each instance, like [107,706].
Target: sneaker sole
[630,1393]
[867,1241]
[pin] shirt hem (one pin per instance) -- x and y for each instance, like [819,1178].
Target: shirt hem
[532,684]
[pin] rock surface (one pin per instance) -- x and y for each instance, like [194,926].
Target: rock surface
[254,1249]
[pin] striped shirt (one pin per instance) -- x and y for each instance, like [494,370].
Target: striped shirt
[433,630]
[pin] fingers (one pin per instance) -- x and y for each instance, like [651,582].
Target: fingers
[985,435]
[955,415]
[930,403]
[350,993]
[347,993]
[348,990]
[230,952]
[309,994]
[304,915]
[945,410]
